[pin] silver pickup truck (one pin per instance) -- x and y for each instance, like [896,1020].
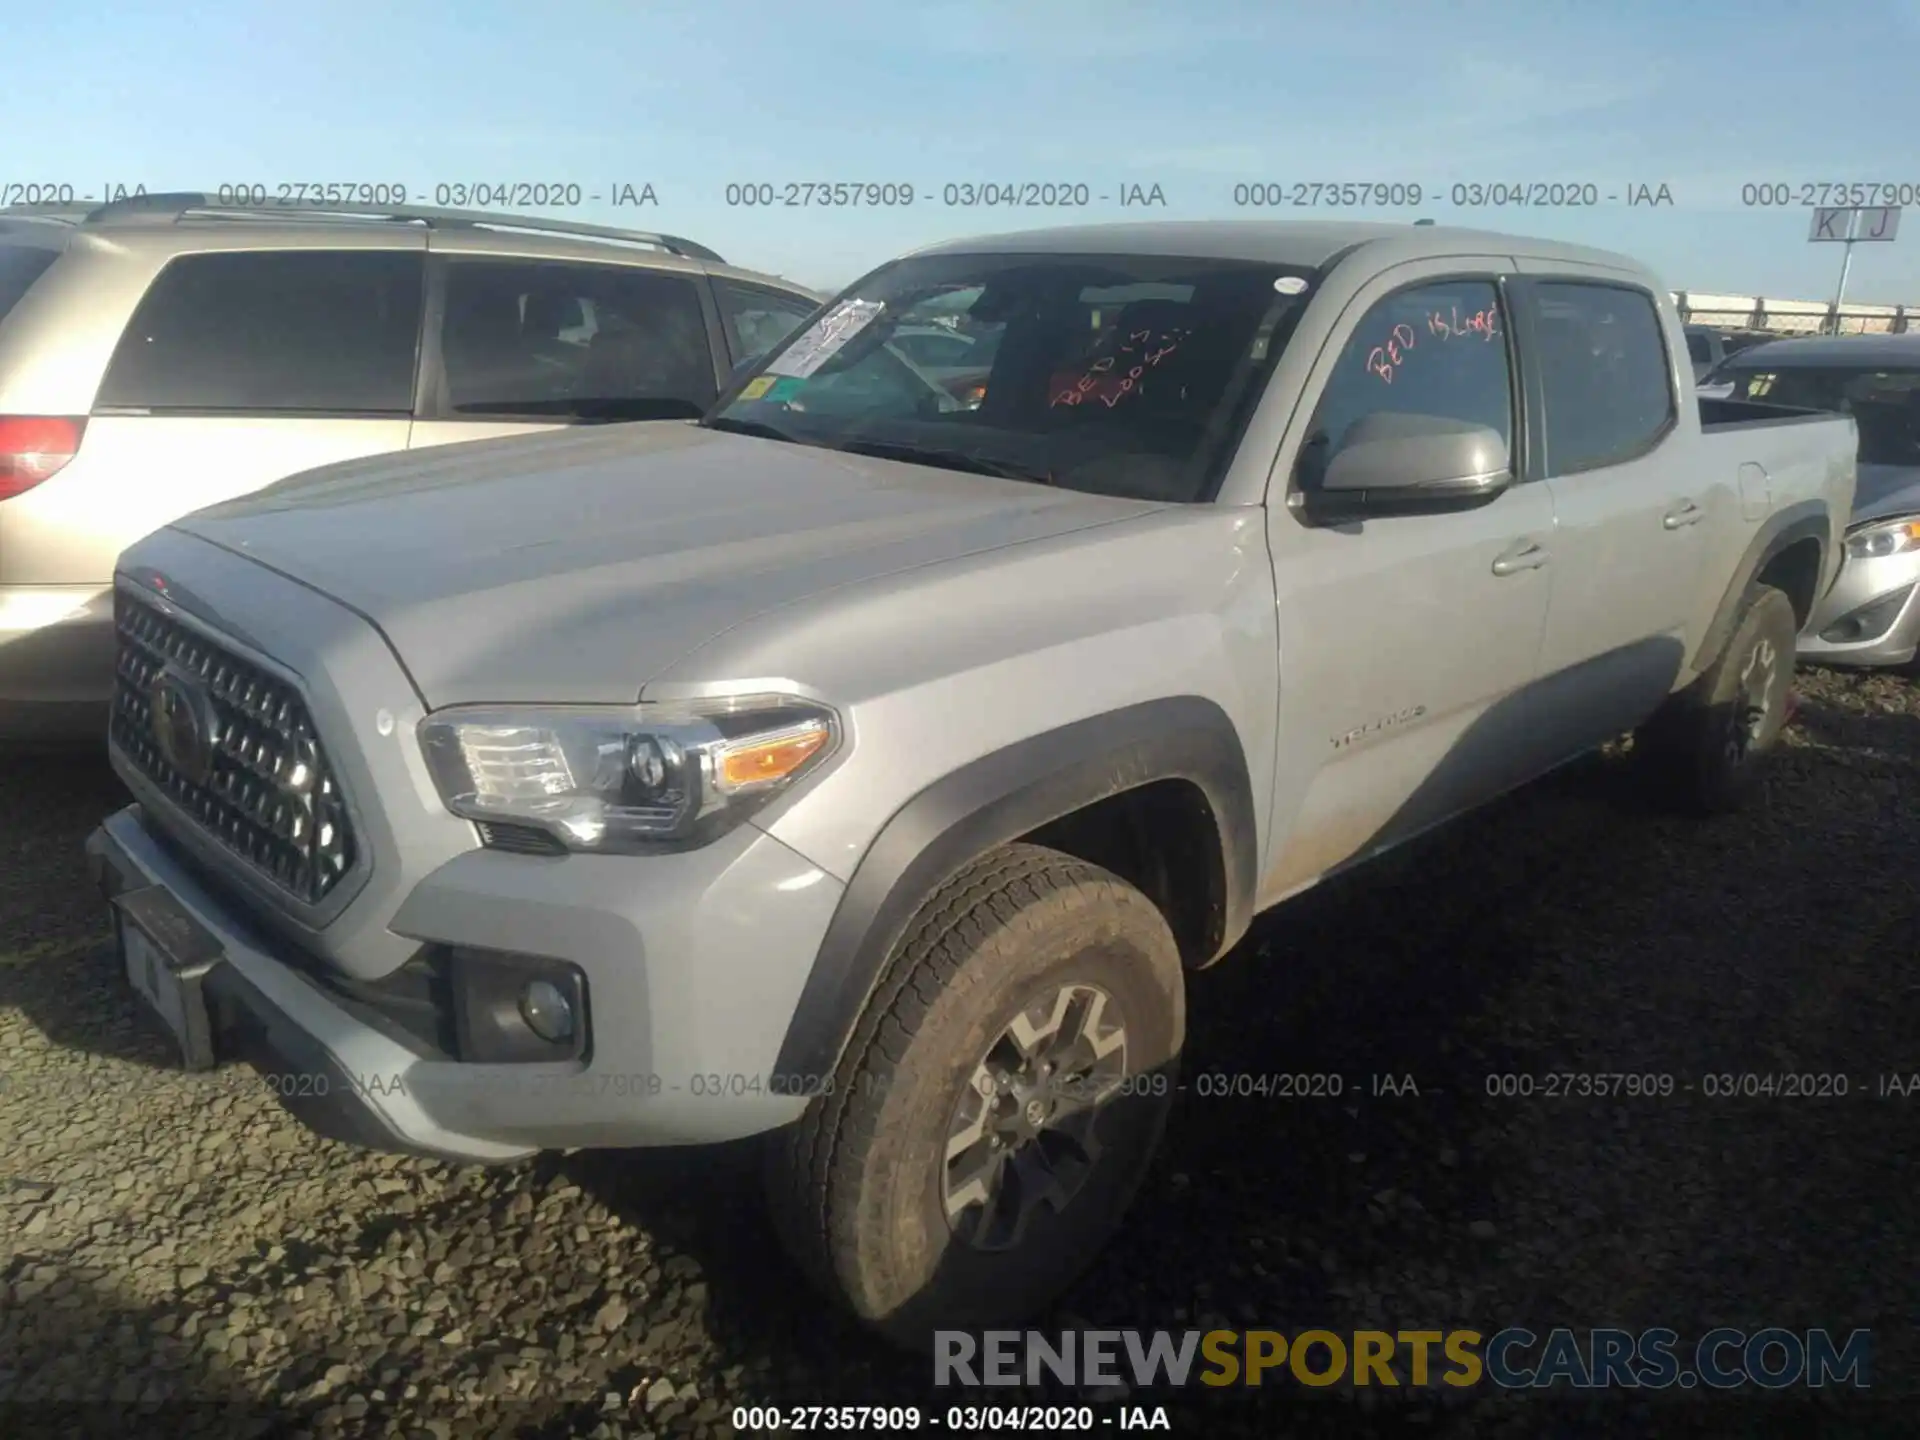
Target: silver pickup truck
[868,765]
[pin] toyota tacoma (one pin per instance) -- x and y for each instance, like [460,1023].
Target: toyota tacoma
[869,769]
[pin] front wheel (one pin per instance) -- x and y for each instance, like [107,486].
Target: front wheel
[1706,751]
[999,1104]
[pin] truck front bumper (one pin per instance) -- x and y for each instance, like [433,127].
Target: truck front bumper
[692,965]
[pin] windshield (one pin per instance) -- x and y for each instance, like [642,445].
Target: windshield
[1885,404]
[1119,375]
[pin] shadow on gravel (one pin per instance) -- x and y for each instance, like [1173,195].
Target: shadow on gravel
[56,962]
[1887,734]
[80,1361]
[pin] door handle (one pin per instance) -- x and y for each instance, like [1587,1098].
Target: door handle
[1524,556]
[1684,514]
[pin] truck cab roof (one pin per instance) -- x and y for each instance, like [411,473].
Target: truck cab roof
[1312,243]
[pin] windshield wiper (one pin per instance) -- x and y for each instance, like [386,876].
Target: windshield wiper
[946,459]
[759,429]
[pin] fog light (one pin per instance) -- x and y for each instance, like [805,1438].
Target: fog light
[547,1011]
[1870,621]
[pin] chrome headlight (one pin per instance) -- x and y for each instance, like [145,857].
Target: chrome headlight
[612,779]
[1884,538]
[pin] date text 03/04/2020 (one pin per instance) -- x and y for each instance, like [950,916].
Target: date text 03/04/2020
[956,1419]
[952,195]
[1460,194]
[447,194]
[1713,1085]
[318,194]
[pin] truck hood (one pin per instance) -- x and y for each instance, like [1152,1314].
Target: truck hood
[573,566]
[1884,491]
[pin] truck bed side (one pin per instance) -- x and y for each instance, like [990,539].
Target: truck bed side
[1794,476]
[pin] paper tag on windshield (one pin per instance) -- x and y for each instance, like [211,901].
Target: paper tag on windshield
[826,337]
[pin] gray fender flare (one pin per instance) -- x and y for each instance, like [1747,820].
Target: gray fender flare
[1808,520]
[996,799]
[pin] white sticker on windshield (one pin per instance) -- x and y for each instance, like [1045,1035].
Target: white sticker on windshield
[1290,285]
[826,337]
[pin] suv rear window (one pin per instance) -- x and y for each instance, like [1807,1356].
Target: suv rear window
[759,319]
[573,341]
[315,331]
[20,266]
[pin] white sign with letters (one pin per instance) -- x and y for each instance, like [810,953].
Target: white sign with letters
[1833,222]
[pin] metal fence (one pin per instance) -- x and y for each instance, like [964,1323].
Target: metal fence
[1793,317]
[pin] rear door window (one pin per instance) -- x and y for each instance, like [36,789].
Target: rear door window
[321,332]
[20,266]
[553,339]
[1604,377]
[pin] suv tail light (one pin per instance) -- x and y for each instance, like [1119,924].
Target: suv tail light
[33,447]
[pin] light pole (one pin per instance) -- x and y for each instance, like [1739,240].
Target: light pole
[1846,264]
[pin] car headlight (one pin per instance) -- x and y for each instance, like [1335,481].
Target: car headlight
[607,779]
[1884,538]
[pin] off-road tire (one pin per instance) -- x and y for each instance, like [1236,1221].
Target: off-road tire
[1689,751]
[858,1186]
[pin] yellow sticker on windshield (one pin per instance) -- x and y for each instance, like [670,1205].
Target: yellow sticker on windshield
[756,388]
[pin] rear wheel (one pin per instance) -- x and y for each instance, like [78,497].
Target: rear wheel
[999,1103]
[1706,751]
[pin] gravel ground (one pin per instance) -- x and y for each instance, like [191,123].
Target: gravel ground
[171,1238]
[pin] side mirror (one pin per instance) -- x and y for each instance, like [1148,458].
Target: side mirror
[1400,464]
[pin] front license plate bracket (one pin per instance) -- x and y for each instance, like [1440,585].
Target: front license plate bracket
[167,956]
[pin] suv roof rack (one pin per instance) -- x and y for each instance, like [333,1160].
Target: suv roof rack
[178,205]
[49,210]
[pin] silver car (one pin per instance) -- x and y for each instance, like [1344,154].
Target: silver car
[165,353]
[1872,614]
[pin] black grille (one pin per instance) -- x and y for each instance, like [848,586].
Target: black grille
[268,794]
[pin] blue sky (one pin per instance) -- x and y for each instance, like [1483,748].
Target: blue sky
[1699,95]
